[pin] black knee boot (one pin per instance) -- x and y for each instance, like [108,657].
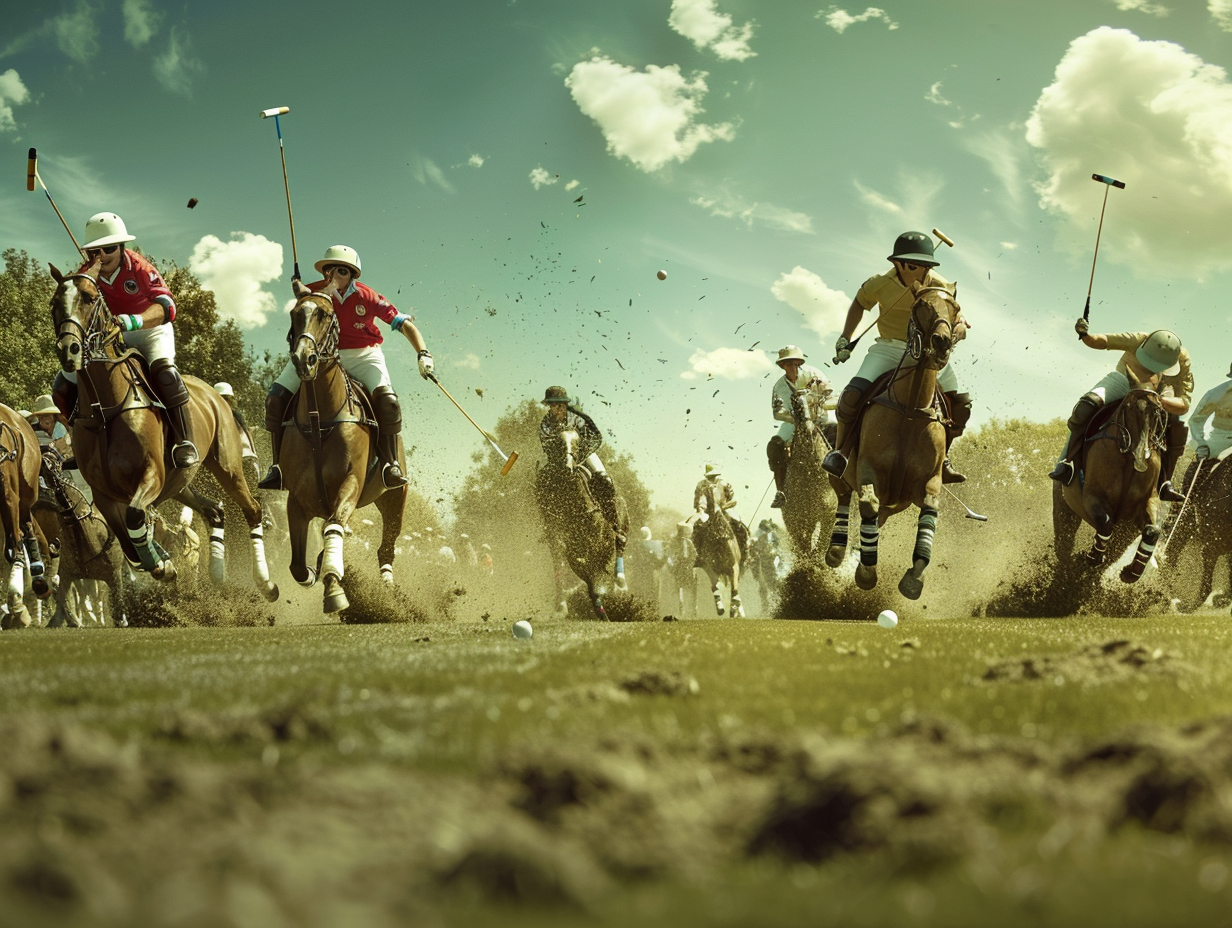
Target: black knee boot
[174,395]
[389,419]
[960,414]
[276,402]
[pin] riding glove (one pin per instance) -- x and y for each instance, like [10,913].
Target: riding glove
[1202,452]
[1082,327]
[425,364]
[842,349]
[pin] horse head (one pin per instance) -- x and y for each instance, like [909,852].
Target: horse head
[1142,421]
[802,411]
[79,316]
[314,331]
[931,334]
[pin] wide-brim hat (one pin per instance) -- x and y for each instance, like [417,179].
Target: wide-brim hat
[340,254]
[1160,353]
[222,388]
[555,395]
[712,470]
[45,406]
[790,353]
[915,247]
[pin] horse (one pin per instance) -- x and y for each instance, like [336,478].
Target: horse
[901,445]
[719,551]
[88,551]
[1117,489]
[764,564]
[680,558]
[330,442]
[1203,523]
[804,511]
[120,444]
[577,532]
[24,542]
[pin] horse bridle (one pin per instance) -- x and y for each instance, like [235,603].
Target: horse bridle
[915,331]
[327,348]
[1156,425]
[98,331]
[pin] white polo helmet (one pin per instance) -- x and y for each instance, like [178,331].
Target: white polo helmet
[339,254]
[223,388]
[106,229]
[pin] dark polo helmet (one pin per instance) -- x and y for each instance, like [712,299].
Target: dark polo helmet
[915,247]
[555,395]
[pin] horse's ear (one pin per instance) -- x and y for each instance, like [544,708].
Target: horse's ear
[55,273]
[298,288]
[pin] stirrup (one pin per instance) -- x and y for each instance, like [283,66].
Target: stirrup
[1170,494]
[779,499]
[391,476]
[1064,472]
[184,454]
[834,463]
[272,480]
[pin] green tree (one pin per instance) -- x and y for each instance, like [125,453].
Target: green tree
[28,362]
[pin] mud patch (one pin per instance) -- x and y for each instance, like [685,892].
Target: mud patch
[1111,661]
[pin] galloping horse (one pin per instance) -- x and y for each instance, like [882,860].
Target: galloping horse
[1119,480]
[901,446]
[330,445]
[577,531]
[20,457]
[719,551]
[805,509]
[119,440]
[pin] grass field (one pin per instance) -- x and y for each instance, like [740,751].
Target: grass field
[951,771]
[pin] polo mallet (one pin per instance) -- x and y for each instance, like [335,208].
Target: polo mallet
[1108,182]
[970,513]
[851,344]
[509,458]
[32,175]
[1177,521]
[276,112]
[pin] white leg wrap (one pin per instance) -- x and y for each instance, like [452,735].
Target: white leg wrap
[387,573]
[217,553]
[17,579]
[332,562]
[260,568]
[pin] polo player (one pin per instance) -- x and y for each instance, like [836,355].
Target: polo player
[725,498]
[797,377]
[1210,427]
[914,262]
[1149,356]
[358,307]
[562,416]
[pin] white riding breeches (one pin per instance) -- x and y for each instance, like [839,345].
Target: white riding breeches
[1112,387]
[884,354]
[153,344]
[367,365]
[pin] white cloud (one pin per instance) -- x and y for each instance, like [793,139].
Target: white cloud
[572,184]
[12,93]
[823,309]
[727,364]
[141,22]
[234,271]
[540,178]
[475,161]
[839,20]
[1142,6]
[1009,246]
[778,217]
[877,201]
[1221,12]
[934,95]
[646,116]
[1157,117]
[76,32]
[469,361]
[427,171]
[175,68]
[704,26]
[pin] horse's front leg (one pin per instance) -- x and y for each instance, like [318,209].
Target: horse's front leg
[332,566]
[1132,572]
[737,605]
[211,511]
[35,544]
[390,504]
[18,615]
[297,530]
[1101,521]
[912,583]
[715,591]
[870,532]
[838,535]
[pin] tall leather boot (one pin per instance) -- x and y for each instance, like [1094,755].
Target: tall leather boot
[276,403]
[960,414]
[174,395]
[1174,447]
[389,421]
[1086,407]
[777,456]
[849,403]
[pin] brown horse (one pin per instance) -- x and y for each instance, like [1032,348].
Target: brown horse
[330,447]
[24,543]
[806,509]
[897,462]
[578,533]
[719,551]
[120,443]
[1120,475]
[1202,526]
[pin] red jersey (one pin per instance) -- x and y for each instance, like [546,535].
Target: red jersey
[136,287]
[358,312]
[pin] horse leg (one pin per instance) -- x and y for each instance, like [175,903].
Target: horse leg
[870,531]
[150,555]
[297,529]
[35,544]
[1132,571]
[737,606]
[230,476]
[211,511]
[1065,525]
[912,583]
[1101,519]
[332,568]
[838,535]
[715,591]
[18,615]
[391,505]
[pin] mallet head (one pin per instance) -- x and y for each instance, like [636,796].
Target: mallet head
[1112,182]
[279,111]
[513,456]
[945,238]
[32,170]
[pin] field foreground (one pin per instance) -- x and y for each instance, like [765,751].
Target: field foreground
[951,771]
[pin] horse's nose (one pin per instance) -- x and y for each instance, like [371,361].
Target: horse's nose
[941,345]
[74,349]
[312,359]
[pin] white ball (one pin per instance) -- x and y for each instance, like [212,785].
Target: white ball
[888,618]
[522,629]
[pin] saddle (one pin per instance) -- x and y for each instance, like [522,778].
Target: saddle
[1095,429]
[359,410]
[878,393]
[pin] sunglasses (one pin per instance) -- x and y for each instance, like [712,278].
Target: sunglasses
[340,269]
[105,249]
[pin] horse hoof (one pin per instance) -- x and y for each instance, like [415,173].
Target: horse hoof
[835,555]
[911,586]
[40,587]
[270,592]
[310,580]
[387,574]
[1129,575]
[866,577]
[218,571]
[336,602]
[165,572]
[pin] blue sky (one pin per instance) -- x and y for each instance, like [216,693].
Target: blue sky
[765,154]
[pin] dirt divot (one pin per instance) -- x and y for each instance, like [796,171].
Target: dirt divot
[660,683]
[1111,661]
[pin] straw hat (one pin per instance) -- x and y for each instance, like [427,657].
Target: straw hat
[45,406]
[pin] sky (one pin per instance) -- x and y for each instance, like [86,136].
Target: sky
[514,174]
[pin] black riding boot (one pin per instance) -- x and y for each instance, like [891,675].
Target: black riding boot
[777,454]
[174,395]
[604,490]
[1086,407]
[389,418]
[849,403]
[276,402]
[960,414]
[1177,435]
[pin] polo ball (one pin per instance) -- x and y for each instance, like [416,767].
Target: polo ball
[888,618]
[662,275]
[522,629]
